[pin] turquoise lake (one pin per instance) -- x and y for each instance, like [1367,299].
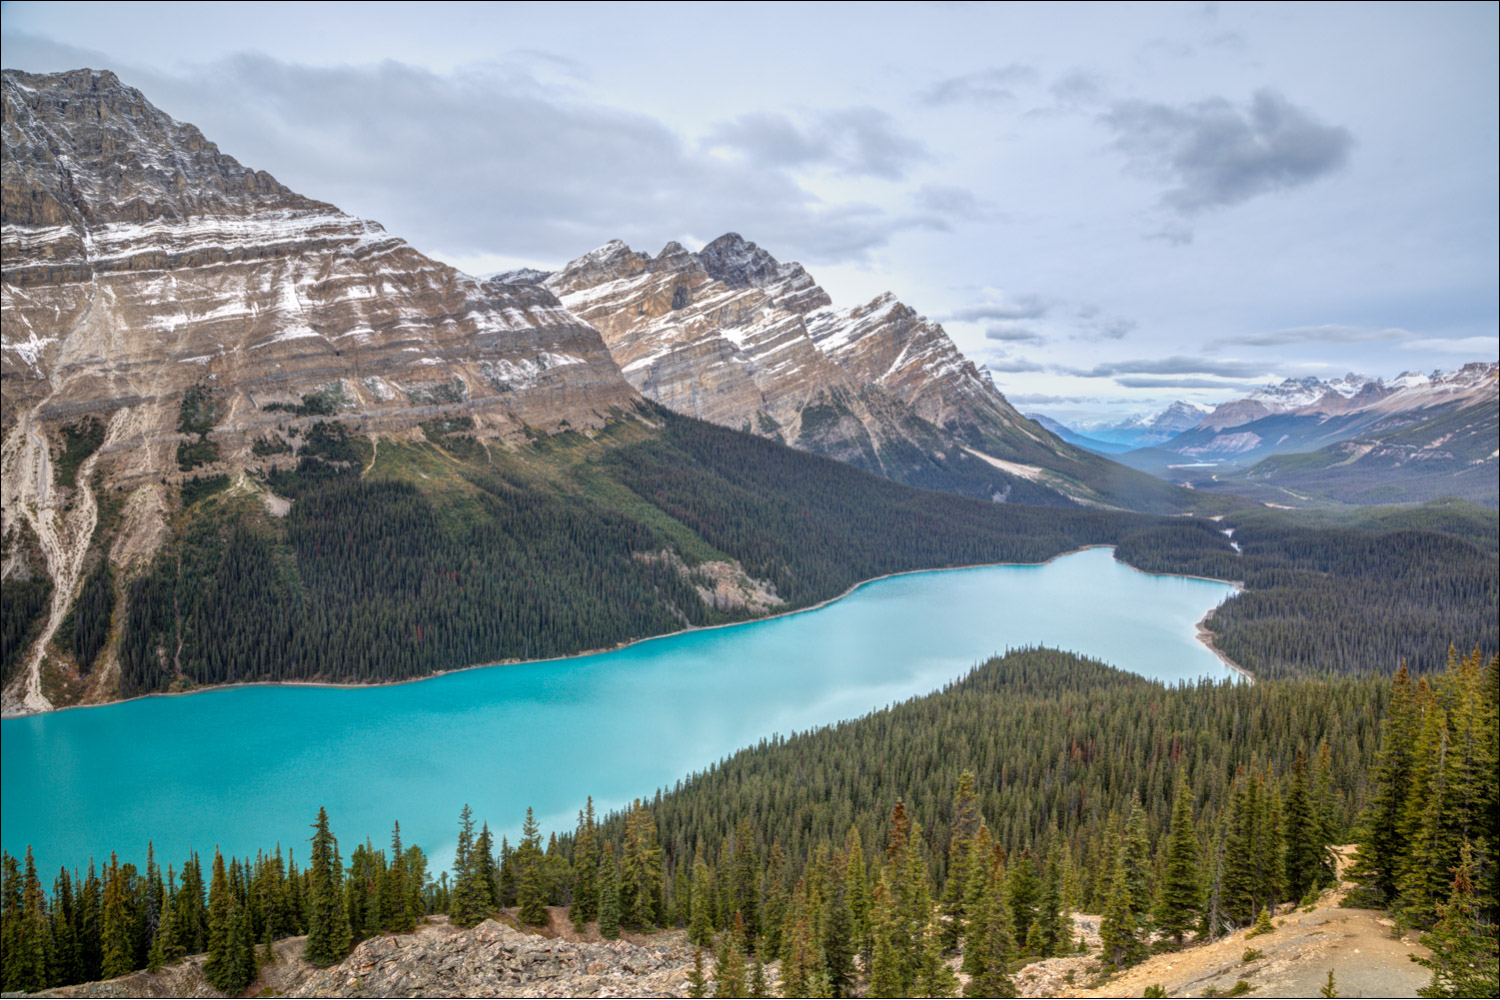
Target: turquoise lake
[248,767]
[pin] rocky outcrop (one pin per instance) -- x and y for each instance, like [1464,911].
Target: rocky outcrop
[496,960]
[733,336]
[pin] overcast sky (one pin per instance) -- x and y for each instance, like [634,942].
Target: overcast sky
[1110,206]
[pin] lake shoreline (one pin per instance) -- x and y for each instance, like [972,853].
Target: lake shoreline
[1202,634]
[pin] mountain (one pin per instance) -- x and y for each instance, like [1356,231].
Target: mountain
[736,337]
[1302,415]
[1153,429]
[248,437]
[1073,437]
[1451,454]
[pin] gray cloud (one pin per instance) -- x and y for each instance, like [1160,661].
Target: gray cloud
[1014,307]
[1014,365]
[1328,333]
[1176,365]
[489,160]
[953,202]
[1013,333]
[1166,382]
[1078,87]
[853,141]
[1043,399]
[1099,327]
[1215,154]
[986,87]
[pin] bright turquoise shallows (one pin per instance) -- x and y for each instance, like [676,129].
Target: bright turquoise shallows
[248,767]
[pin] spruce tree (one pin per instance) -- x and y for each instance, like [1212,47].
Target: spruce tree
[640,870]
[1306,857]
[116,938]
[697,977]
[1179,902]
[328,933]
[531,881]
[585,908]
[701,927]
[1118,928]
[469,900]
[1465,961]
[609,895]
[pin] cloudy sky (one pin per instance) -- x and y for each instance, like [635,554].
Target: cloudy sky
[1110,206]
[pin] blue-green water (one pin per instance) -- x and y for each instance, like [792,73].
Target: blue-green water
[245,768]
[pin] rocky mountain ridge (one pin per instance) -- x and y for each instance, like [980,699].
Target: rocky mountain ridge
[183,315]
[734,336]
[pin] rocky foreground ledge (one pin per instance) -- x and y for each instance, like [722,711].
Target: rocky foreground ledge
[490,960]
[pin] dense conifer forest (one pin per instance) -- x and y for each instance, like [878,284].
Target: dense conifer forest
[860,856]
[445,553]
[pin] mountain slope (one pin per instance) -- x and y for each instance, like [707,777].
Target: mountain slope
[1453,453]
[172,316]
[1303,415]
[734,336]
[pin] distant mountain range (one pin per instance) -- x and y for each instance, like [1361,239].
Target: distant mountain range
[1356,439]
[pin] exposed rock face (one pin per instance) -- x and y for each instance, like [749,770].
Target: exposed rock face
[1305,414]
[733,336]
[141,263]
[139,260]
[496,960]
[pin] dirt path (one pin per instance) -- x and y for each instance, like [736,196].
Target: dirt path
[1294,962]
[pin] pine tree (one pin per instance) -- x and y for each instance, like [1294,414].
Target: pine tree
[1135,858]
[491,888]
[1306,858]
[1180,901]
[990,945]
[1380,842]
[701,928]
[116,937]
[469,901]
[758,985]
[531,881]
[609,895]
[1465,961]
[328,934]
[640,870]
[697,978]
[1118,928]
[729,962]
[585,908]
[965,825]
[838,935]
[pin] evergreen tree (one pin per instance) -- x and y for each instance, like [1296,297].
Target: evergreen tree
[1135,859]
[640,871]
[697,979]
[1464,960]
[1306,856]
[1180,901]
[701,927]
[328,935]
[531,880]
[470,899]
[990,944]
[729,962]
[117,932]
[609,895]
[1118,928]
[489,885]
[965,825]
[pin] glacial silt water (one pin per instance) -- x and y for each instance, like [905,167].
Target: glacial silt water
[248,767]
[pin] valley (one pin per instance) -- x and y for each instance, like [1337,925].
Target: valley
[858,680]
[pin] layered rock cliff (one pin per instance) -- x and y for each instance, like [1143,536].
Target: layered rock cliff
[731,335]
[181,314]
